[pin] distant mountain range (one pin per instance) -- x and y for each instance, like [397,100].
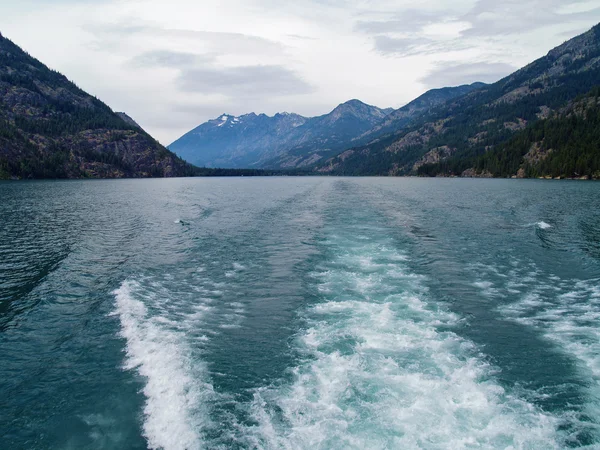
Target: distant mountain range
[49,128]
[287,141]
[282,141]
[455,131]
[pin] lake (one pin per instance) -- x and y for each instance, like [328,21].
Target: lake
[291,313]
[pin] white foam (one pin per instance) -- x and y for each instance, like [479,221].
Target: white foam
[569,316]
[377,373]
[541,225]
[567,313]
[174,390]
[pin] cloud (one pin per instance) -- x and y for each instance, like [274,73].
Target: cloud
[300,37]
[486,23]
[214,41]
[168,58]
[458,74]
[409,21]
[200,73]
[413,32]
[252,81]
[493,19]
[404,46]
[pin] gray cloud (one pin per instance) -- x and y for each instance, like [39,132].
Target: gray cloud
[409,21]
[415,45]
[403,35]
[167,58]
[252,81]
[201,74]
[491,18]
[409,46]
[218,42]
[301,37]
[457,74]
[401,46]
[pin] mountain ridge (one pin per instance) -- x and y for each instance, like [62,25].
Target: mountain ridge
[310,139]
[258,140]
[430,99]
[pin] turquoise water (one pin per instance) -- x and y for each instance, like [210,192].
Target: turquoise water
[292,313]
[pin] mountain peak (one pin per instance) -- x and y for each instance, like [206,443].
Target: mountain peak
[356,108]
[354,102]
[226,119]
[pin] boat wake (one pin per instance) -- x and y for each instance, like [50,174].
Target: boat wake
[381,367]
[176,387]
[378,363]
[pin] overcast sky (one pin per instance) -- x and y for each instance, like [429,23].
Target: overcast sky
[172,65]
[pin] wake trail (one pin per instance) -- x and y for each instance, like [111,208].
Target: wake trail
[381,366]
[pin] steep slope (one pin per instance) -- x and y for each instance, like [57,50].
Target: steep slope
[482,119]
[49,128]
[261,141]
[422,105]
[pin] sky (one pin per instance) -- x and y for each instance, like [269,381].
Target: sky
[173,65]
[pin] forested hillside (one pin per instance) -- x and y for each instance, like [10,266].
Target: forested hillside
[49,128]
[566,145]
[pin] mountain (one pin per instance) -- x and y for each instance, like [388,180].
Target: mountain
[244,141]
[325,135]
[480,121]
[49,128]
[282,141]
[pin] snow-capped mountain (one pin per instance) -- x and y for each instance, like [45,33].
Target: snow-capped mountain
[283,140]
